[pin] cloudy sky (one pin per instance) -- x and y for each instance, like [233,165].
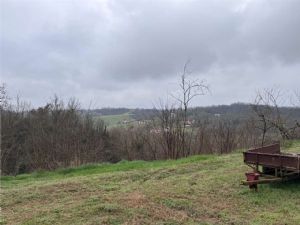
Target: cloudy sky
[131,53]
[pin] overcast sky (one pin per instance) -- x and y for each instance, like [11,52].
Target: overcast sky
[124,53]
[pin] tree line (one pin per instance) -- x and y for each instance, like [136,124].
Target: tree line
[60,134]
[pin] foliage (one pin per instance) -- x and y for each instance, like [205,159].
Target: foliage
[50,137]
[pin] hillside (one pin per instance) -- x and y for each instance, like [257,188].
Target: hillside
[116,120]
[236,111]
[196,190]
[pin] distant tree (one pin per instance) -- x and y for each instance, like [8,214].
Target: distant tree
[3,97]
[296,102]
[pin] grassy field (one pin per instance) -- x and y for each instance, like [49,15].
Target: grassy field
[116,120]
[195,190]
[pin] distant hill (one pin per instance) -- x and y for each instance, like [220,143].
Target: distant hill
[234,111]
[110,111]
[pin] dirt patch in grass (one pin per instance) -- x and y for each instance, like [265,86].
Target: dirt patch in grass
[150,209]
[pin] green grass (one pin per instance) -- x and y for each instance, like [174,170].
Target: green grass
[116,120]
[292,146]
[195,190]
[89,169]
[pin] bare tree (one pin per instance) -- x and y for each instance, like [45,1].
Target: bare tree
[3,97]
[270,116]
[295,100]
[169,130]
[262,109]
[189,88]
[49,137]
[297,104]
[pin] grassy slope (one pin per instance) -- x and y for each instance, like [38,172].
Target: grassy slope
[115,120]
[195,190]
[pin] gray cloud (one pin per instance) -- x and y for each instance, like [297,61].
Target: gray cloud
[130,53]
